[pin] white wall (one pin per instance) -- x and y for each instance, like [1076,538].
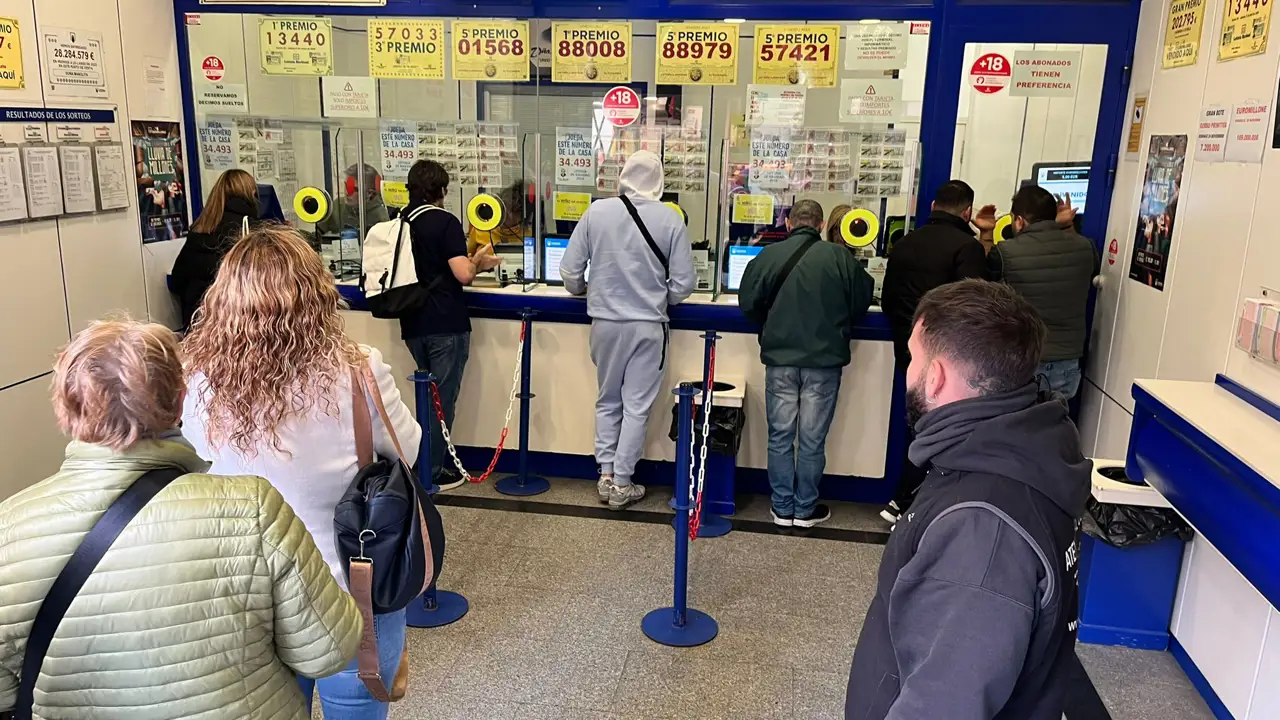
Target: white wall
[75,269]
[1223,245]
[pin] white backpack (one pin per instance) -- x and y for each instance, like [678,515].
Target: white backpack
[388,275]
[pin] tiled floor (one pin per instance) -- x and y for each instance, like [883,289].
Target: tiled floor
[554,628]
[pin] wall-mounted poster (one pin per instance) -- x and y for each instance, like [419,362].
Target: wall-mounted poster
[161,180]
[11,75]
[1158,210]
[74,63]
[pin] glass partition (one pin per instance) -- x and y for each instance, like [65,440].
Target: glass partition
[533,119]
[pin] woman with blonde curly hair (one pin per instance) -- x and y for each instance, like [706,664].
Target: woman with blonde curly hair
[270,373]
[206,604]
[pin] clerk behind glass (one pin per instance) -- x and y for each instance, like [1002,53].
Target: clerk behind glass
[627,301]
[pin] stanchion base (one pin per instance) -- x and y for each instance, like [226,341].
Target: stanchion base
[713,526]
[532,485]
[450,607]
[699,628]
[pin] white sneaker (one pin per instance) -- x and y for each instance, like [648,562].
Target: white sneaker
[620,496]
[602,487]
[890,512]
[782,520]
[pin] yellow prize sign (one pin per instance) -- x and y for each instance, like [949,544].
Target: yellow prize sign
[697,54]
[296,45]
[753,209]
[1182,33]
[571,206]
[406,49]
[1245,25]
[591,52]
[797,55]
[11,75]
[491,50]
[395,194]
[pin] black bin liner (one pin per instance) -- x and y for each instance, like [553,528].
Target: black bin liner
[1122,526]
[726,424]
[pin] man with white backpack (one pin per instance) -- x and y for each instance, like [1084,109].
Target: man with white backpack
[438,333]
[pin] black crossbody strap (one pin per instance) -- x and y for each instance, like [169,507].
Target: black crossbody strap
[76,573]
[666,266]
[786,272]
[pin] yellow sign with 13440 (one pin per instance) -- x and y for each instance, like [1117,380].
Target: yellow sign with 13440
[296,45]
[797,55]
[697,54]
[1245,26]
[406,49]
[491,50]
[1182,33]
[594,52]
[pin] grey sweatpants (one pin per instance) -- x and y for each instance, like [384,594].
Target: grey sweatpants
[630,359]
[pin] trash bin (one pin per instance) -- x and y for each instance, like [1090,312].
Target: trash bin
[728,417]
[1130,559]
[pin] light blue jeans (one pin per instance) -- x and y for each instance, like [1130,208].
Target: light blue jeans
[798,402]
[344,696]
[1060,376]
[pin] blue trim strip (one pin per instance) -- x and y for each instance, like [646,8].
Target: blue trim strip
[1198,680]
[1227,501]
[1249,396]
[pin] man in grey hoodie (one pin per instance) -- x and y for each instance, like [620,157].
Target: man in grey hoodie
[975,610]
[641,262]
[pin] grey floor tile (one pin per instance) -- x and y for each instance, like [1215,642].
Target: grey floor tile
[1141,684]
[428,704]
[659,684]
[545,673]
[819,695]
[555,712]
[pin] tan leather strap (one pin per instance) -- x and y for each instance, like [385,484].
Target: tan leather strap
[367,666]
[362,422]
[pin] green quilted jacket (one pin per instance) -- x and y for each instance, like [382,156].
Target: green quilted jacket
[206,606]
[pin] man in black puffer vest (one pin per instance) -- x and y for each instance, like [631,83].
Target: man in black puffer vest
[975,609]
[1053,268]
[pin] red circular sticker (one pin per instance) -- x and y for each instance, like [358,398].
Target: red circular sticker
[1112,250]
[621,106]
[990,73]
[213,68]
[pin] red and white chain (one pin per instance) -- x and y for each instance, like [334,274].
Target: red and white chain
[695,485]
[506,423]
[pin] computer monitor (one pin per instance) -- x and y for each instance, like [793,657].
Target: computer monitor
[739,257]
[1061,178]
[553,249]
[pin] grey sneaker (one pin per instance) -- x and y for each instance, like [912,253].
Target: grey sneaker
[620,496]
[602,487]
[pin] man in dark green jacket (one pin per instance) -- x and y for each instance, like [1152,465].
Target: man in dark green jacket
[806,296]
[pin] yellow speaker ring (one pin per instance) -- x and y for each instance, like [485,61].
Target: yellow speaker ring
[679,210]
[484,212]
[859,227]
[1004,229]
[312,205]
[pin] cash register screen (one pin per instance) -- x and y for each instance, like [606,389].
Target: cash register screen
[553,249]
[1063,178]
[739,257]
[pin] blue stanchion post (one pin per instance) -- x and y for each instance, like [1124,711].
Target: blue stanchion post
[709,525]
[680,625]
[435,607]
[523,484]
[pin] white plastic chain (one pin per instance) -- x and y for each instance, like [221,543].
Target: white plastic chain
[695,484]
[506,423]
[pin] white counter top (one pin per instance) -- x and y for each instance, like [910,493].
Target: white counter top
[1241,429]
[556,291]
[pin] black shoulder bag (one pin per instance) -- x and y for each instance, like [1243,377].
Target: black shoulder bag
[790,265]
[76,572]
[662,259]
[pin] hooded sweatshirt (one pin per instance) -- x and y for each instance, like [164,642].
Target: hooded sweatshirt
[627,279]
[975,610]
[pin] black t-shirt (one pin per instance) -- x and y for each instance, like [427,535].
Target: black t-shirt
[437,237]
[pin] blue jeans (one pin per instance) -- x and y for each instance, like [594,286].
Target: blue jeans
[1060,376]
[798,401]
[444,356]
[344,696]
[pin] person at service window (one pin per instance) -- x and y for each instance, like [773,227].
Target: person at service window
[231,209]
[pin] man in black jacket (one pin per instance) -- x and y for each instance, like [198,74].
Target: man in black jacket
[975,609]
[945,249]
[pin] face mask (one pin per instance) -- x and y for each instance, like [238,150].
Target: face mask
[917,404]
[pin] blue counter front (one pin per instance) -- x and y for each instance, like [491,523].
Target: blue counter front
[864,450]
